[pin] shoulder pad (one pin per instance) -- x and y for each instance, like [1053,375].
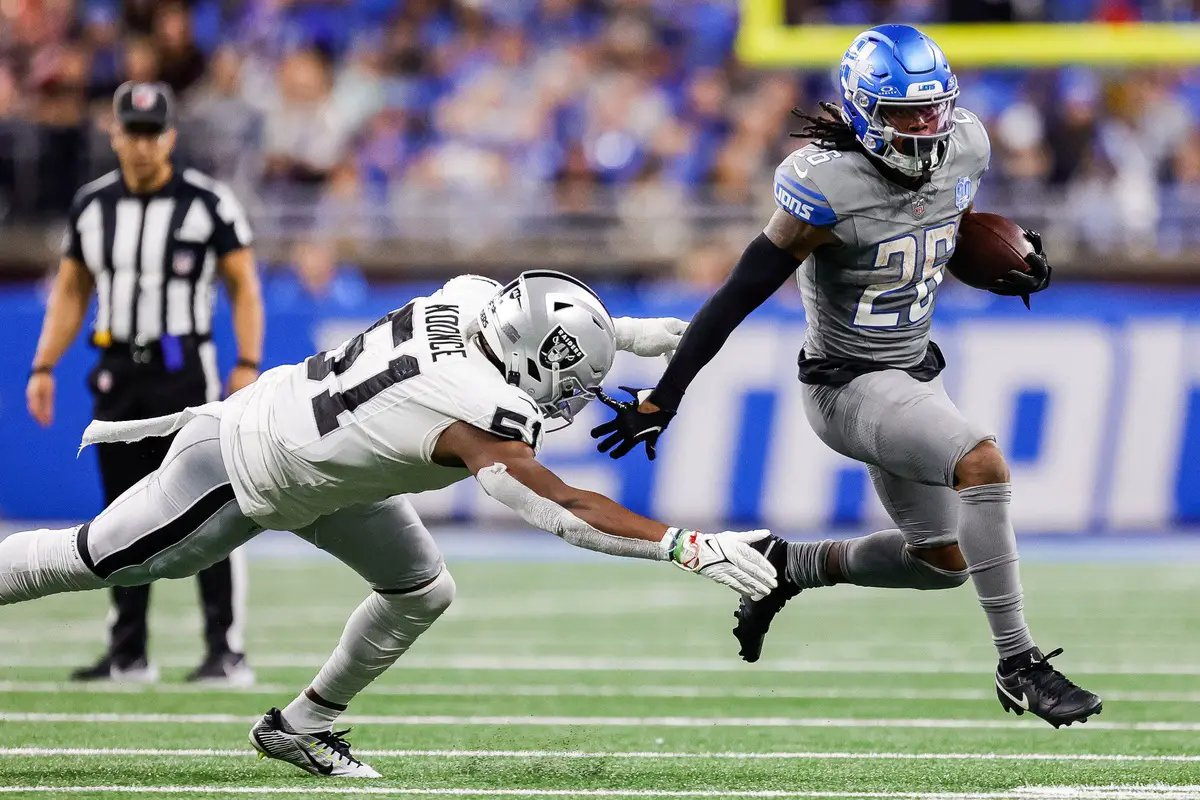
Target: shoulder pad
[973,138]
[474,290]
[796,189]
[516,417]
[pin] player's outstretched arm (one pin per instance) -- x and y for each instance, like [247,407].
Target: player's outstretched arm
[765,265]
[650,337]
[509,472]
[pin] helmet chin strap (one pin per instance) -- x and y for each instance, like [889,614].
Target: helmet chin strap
[512,374]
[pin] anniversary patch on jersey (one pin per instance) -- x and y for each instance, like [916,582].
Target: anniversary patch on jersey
[560,349]
[962,194]
[443,331]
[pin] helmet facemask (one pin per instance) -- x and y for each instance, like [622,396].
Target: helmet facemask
[908,134]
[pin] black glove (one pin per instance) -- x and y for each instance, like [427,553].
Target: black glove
[1022,284]
[631,426]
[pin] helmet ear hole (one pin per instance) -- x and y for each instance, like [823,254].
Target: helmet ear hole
[532,368]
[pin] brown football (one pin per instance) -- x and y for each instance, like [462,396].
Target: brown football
[989,247]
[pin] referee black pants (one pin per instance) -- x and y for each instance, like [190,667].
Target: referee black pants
[135,384]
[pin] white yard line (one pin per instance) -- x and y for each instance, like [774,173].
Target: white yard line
[573,690]
[1040,793]
[560,663]
[1029,793]
[603,722]
[48,752]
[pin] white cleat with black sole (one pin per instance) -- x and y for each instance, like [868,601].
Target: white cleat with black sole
[326,754]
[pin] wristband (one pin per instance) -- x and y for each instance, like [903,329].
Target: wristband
[43,369]
[247,363]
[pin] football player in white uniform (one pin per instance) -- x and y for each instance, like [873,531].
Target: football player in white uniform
[452,385]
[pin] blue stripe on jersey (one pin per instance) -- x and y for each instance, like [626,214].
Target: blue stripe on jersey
[812,213]
[803,191]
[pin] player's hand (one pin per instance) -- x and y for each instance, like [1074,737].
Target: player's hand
[1035,279]
[240,377]
[39,398]
[726,558]
[636,421]
[647,338]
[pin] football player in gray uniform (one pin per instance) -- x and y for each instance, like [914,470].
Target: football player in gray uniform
[867,218]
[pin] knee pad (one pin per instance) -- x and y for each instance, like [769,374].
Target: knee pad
[929,577]
[428,602]
[40,563]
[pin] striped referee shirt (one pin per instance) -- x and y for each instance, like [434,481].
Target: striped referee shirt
[154,256]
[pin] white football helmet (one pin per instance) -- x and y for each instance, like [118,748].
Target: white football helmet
[554,338]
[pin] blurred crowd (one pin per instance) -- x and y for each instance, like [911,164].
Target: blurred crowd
[470,116]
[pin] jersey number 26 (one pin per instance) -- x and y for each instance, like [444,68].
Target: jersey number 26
[908,299]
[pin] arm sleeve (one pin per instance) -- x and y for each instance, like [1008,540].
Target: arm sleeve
[550,516]
[762,269]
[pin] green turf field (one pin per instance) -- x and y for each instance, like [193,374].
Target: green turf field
[620,680]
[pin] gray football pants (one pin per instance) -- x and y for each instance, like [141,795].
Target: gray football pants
[183,518]
[911,437]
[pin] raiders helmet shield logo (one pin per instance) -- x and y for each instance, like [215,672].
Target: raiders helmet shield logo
[144,96]
[560,349]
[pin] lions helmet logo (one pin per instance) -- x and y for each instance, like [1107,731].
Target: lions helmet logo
[560,349]
[144,97]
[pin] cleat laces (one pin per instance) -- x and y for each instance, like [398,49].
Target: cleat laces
[337,744]
[1052,682]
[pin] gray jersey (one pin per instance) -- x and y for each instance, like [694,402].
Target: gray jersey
[871,298]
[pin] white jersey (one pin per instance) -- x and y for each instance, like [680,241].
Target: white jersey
[359,423]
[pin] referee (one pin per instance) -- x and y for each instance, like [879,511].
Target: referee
[151,240]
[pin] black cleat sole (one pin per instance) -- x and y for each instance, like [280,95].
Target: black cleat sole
[749,654]
[1007,703]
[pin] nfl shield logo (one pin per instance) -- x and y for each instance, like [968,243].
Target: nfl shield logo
[918,206]
[144,97]
[962,194]
[183,262]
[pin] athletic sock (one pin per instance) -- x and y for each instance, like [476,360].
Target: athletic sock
[989,545]
[379,631]
[806,563]
[305,715]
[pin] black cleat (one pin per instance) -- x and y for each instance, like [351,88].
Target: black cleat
[1027,682]
[754,616]
[228,669]
[108,668]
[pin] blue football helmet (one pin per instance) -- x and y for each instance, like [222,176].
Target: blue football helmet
[898,95]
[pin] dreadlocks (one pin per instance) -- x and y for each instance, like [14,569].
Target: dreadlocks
[829,131]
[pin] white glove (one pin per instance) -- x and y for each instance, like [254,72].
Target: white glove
[648,338]
[726,558]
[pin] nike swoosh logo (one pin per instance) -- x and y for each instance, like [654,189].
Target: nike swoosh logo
[324,769]
[644,431]
[802,173]
[1023,701]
